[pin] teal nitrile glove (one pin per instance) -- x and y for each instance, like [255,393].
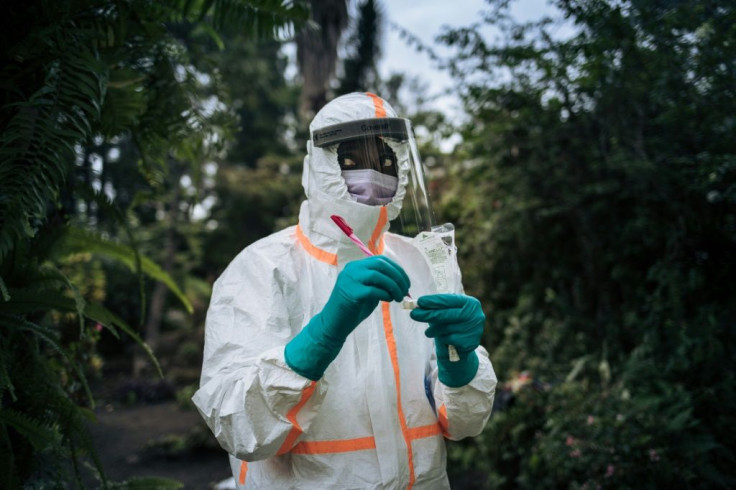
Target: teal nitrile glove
[358,289]
[453,320]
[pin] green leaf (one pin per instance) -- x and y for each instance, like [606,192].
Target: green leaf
[28,301]
[212,33]
[577,368]
[105,317]
[78,240]
[79,301]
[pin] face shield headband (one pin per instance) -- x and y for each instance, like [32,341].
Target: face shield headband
[386,146]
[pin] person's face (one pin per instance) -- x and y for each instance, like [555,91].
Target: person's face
[371,153]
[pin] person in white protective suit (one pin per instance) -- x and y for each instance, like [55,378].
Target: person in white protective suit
[314,376]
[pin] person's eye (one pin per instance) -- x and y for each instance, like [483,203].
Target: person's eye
[348,162]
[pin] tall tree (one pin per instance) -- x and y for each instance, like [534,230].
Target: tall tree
[360,71]
[317,53]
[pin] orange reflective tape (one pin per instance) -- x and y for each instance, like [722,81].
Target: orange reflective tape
[424,431]
[317,253]
[382,220]
[388,330]
[381,245]
[296,430]
[444,423]
[377,104]
[243,472]
[339,446]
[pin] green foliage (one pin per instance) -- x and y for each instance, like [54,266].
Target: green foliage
[260,98]
[360,72]
[76,53]
[198,438]
[273,187]
[82,76]
[595,212]
[41,131]
[43,376]
[184,397]
[77,240]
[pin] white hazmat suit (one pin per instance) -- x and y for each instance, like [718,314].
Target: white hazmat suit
[378,416]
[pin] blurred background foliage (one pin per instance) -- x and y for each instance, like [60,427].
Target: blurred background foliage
[595,207]
[144,144]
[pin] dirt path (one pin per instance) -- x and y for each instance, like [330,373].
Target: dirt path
[124,435]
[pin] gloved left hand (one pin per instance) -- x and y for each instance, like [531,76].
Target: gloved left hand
[453,320]
[357,291]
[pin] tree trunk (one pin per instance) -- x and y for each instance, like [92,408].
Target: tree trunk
[316,53]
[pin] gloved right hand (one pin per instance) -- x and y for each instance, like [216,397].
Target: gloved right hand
[358,289]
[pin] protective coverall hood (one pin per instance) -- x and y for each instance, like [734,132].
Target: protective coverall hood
[326,190]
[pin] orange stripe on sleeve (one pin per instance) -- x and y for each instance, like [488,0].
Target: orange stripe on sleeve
[377,104]
[317,253]
[374,247]
[296,430]
[424,431]
[243,472]
[388,330]
[340,446]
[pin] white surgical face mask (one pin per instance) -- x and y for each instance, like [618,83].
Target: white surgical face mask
[369,186]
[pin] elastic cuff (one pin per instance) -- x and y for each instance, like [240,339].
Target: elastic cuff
[459,373]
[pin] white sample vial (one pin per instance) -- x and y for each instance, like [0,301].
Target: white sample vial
[409,304]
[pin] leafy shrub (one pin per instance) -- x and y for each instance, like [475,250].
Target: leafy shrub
[596,219]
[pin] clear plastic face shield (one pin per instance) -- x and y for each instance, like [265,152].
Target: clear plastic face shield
[380,164]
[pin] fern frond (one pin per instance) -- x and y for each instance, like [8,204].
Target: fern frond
[12,322]
[28,301]
[33,430]
[37,145]
[125,102]
[50,337]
